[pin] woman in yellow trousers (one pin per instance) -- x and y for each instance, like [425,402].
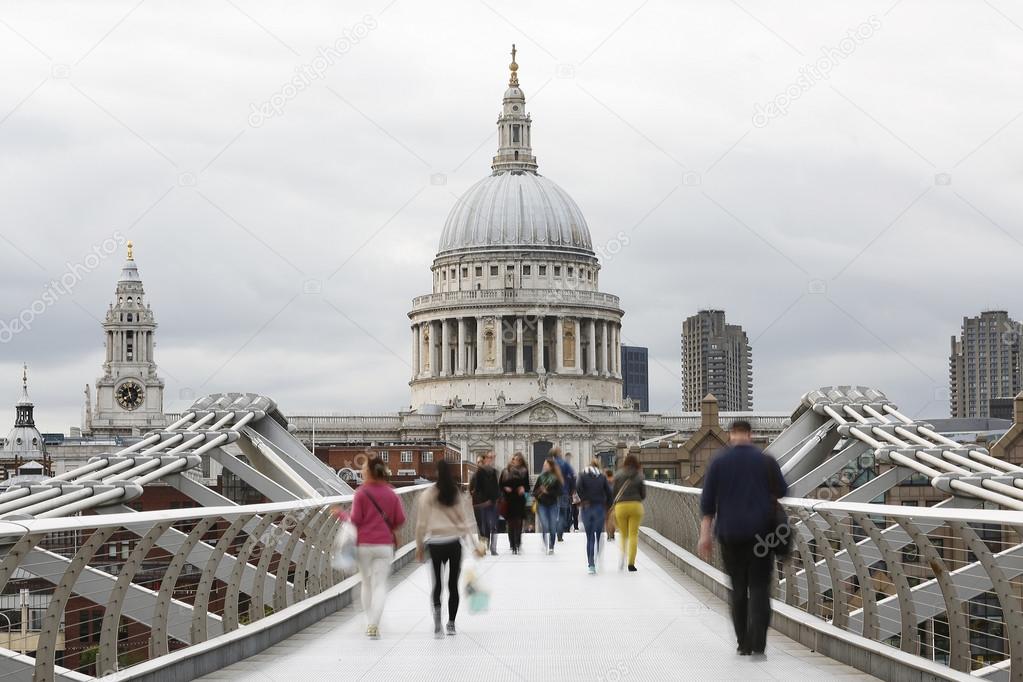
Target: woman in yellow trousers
[629,493]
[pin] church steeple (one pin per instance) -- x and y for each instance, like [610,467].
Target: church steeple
[24,407]
[514,150]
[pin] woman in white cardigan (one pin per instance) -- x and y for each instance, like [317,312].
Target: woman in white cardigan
[444,520]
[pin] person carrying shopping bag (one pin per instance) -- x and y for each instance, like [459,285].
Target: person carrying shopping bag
[376,514]
[444,521]
[629,493]
[485,493]
[547,492]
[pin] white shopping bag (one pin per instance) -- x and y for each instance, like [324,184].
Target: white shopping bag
[343,558]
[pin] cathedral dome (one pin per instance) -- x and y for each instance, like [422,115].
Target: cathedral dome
[515,209]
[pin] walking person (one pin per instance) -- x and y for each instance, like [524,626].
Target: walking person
[594,498]
[443,523]
[547,492]
[485,492]
[740,493]
[514,482]
[567,491]
[376,514]
[629,493]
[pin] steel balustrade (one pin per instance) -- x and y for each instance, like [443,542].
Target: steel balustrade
[185,602]
[952,593]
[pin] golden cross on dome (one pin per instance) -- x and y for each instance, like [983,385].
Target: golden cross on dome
[130,255]
[513,67]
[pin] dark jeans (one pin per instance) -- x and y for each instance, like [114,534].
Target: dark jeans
[751,593]
[564,516]
[486,519]
[593,521]
[441,553]
[575,517]
[549,522]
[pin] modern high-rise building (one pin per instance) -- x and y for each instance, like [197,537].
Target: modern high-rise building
[636,375]
[984,363]
[717,359]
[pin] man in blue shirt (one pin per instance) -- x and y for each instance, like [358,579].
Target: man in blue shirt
[740,493]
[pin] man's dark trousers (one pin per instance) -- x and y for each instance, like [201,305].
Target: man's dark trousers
[751,594]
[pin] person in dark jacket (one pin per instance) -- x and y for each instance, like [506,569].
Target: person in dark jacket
[514,483]
[485,491]
[740,494]
[547,491]
[629,493]
[567,491]
[594,499]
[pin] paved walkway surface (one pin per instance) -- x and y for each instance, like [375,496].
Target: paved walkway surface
[548,620]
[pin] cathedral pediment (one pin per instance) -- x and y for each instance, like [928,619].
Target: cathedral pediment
[542,410]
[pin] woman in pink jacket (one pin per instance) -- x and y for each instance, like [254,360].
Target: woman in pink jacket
[376,513]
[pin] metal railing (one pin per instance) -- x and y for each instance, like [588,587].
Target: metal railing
[943,583]
[120,589]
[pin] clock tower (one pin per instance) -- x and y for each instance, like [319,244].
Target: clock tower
[129,395]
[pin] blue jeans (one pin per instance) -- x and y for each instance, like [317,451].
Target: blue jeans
[549,521]
[564,514]
[593,516]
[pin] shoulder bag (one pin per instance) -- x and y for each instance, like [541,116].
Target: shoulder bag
[609,521]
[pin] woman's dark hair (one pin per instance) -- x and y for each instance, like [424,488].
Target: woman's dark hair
[447,489]
[631,462]
[377,468]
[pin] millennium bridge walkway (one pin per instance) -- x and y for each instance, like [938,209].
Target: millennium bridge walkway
[91,588]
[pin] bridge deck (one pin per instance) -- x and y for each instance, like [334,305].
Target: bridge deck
[548,619]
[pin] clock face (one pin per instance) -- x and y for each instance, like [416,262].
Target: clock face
[130,395]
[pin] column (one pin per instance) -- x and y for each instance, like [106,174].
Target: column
[591,352]
[460,356]
[149,352]
[499,344]
[604,356]
[578,346]
[616,351]
[479,345]
[520,363]
[559,344]
[445,348]
[416,343]
[538,351]
[434,354]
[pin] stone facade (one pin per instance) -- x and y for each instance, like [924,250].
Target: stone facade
[129,395]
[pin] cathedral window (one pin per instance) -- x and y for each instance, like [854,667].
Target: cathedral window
[557,271]
[129,317]
[444,275]
[479,270]
[465,272]
[515,134]
[570,270]
[493,271]
[527,270]
[543,270]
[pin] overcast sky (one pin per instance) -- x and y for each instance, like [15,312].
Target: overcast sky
[847,229]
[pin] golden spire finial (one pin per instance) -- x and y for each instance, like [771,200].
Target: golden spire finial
[513,67]
[130,247]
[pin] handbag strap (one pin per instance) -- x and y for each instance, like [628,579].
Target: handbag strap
[621,492]
[379,510]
